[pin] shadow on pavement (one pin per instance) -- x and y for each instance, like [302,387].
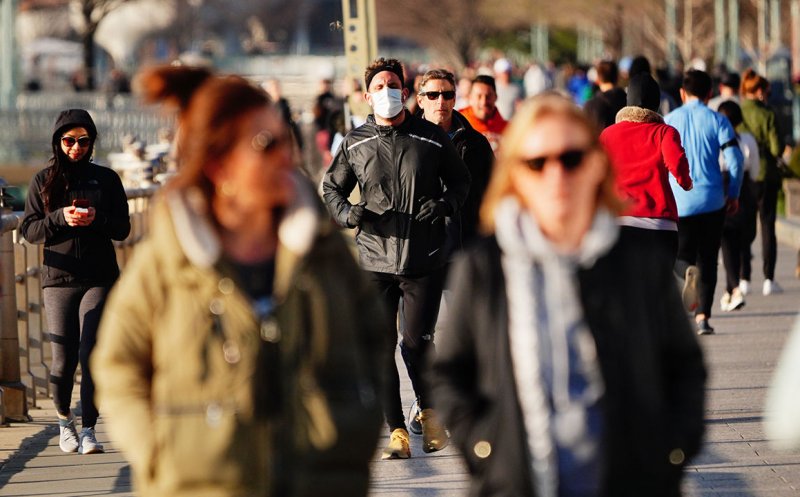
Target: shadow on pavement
[29,449]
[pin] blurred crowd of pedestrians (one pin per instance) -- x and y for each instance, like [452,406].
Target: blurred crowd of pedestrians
[569,221]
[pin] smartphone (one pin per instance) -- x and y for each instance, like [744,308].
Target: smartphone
[81,205]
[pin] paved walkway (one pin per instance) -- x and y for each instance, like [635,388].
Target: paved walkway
[735,462]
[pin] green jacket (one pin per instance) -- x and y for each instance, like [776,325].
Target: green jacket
[761,122]
[182,356]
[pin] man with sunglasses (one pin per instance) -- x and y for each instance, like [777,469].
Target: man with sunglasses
[436,100]
[411,178]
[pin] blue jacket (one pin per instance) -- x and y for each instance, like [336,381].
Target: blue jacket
[703,134]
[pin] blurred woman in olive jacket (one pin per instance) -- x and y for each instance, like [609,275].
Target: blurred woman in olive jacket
[241,349]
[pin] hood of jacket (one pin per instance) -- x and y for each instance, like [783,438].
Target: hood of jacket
[198,239]
[73,118]
[635,114]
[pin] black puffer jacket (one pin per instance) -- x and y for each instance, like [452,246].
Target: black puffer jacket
[477,154]
[77,255]
[397,169]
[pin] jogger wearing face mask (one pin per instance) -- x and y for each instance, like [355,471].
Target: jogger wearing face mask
[410,177]
[387,103]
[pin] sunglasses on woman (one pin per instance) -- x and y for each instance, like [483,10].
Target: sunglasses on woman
[569,159]
[70,141]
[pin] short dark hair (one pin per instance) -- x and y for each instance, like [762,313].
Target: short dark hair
[380,65]
[639,64]
[732,111]
[697,83]
[607,71]
[731,80]
[438,74]
[485,80]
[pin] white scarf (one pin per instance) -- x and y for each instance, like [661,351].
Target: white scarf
[543,295]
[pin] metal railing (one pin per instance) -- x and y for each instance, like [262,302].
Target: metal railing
[24,350]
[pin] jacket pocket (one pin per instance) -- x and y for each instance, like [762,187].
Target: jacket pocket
[208,448]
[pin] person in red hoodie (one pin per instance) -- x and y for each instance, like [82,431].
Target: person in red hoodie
[643,150]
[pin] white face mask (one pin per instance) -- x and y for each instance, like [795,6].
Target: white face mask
[387,103]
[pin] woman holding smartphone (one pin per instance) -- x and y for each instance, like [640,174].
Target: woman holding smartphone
[75,208]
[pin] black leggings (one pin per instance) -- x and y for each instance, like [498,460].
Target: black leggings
[73,314]
[767,209]
[699,239]
[421,296]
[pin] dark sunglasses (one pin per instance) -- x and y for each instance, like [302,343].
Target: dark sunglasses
[569,159]
[434,95]
[70,141]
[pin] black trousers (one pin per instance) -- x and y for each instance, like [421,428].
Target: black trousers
[738,234]
[662,242]
[767,200]
[421,296]
[699,239]
[73,315]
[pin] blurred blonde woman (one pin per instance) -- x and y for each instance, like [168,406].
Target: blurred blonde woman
[242,345]
[569,367]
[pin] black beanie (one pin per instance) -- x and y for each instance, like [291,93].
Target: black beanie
[643,91]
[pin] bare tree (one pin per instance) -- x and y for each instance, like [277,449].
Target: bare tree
[456,35]
[89,15]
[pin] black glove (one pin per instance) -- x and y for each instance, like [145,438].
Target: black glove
[432,210]
[355,215]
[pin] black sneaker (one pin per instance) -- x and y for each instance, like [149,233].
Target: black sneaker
[703,328]
[414,426]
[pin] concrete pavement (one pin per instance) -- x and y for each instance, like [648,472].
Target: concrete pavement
[736,460]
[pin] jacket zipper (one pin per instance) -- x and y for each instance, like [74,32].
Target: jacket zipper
[398,194]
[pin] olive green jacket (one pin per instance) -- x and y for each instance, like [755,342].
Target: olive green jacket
[761,122]
[182,357]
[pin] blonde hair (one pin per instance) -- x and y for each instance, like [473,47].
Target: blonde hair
[532,111]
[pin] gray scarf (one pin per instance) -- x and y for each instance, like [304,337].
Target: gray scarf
[549,337]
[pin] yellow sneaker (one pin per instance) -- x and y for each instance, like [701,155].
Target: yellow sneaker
[398,447]
[434,436]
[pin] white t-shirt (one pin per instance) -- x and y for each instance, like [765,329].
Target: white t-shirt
[749,148]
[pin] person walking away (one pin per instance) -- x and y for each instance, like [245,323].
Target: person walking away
[739,229]
[75,208]
[569,366]
[411,178]
[701,211]
[761,122]
[610,99]
[728,90]
[242,347]
[644,152]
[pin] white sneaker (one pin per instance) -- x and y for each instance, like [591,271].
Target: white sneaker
[744,287]
[68,436]
[770,287]
[689,293]
[736,301]
[725,302]
[89,444]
